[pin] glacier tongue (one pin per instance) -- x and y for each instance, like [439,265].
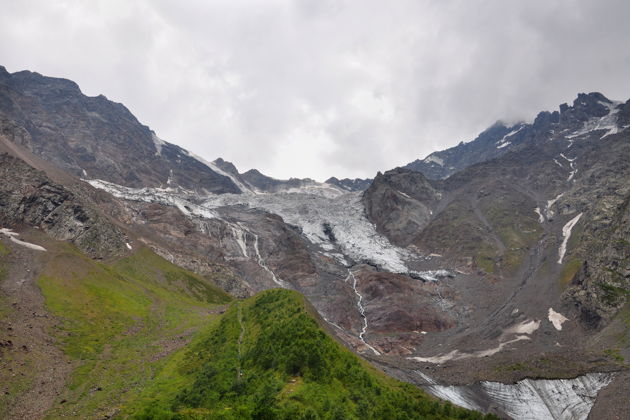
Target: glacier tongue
[529,399]
[355,235]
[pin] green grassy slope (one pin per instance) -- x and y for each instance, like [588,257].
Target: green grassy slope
[268,359]
[120,322]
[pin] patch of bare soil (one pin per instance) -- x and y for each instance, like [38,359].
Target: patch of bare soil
[33,369]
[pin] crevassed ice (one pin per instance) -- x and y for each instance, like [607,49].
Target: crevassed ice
[545,399]
[356,236]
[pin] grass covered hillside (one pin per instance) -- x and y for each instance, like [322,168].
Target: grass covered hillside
[120,321]
[268,359]
[80,338]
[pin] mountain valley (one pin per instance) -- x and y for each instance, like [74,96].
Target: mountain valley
[494,274]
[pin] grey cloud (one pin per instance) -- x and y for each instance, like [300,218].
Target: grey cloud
[319,88]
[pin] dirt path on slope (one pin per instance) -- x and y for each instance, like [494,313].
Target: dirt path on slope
[33,370]
[239,372]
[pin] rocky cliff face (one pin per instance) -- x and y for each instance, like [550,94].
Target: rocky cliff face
[399,202]
[28,198]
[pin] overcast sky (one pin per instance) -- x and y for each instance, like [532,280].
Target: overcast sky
[315,88]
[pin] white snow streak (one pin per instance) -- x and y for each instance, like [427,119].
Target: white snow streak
[158,142]
[525,327]
[566,234]
[608,122]
[548,210]
[403,194]
[12,236]
[244,188]
[503,142]
[541,218]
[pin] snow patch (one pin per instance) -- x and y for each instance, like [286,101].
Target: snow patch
[13,237]
[158,142]
[431,275]
[457,355]
[548,210]
[608,122]
[128,245]
[557,319]
[242,187]
[541,218]
[566,234]
[525,327]
[433,158]
[503,142]
[403,194]
[521,330]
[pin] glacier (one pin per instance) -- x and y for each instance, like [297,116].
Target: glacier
[528,399]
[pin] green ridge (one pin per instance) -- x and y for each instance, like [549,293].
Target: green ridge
[269,359]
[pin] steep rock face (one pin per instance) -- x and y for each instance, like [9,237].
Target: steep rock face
[28,197]
[400,203]
[95,137]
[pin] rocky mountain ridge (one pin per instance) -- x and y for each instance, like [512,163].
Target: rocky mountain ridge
[592,111]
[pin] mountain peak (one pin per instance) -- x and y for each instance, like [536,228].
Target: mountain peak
[226,166]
